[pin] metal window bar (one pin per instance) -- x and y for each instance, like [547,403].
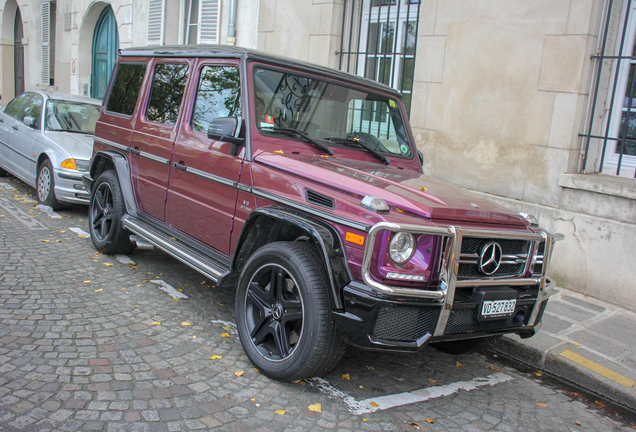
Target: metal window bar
[615,61]
[354,50]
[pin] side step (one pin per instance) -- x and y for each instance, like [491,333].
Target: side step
[178,249]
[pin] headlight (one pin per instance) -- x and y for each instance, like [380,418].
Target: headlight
[82,164]
[401,247]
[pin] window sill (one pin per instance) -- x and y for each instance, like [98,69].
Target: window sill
[599,183]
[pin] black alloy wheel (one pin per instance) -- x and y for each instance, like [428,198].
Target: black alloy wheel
[105,213]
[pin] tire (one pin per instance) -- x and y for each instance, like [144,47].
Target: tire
[466,345]
[45,186]
[283,313]
[105,213]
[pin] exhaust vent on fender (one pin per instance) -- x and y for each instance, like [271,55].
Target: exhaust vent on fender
[313,197]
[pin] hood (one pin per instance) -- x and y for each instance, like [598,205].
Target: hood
[78,145]
[406,190]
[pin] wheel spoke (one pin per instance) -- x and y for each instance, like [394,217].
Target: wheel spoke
[99,200]
[293,311]
[261,335]
[276,285]
[281,339]
[262,312]
[106,224]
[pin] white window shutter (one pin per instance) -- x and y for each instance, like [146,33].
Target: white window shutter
[156,12]
[209,21]
[46,47]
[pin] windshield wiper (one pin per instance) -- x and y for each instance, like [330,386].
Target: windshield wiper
[357,141]
[301,134]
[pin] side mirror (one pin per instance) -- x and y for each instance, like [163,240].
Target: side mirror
[224,129]
[420,156]
[29,121]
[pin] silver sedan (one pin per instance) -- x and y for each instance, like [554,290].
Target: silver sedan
[46,140]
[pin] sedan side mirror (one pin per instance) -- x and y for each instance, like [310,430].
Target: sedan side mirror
[224,129]
[29,121]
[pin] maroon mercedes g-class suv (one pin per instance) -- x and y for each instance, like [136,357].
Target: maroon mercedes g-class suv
[302,187]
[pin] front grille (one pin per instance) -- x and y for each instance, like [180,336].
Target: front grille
[513,262]
[464,321]
[402,323]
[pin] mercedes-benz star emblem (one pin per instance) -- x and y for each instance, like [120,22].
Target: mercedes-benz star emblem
[490,258]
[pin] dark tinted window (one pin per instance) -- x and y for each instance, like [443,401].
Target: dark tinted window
[166,93]
[123,96]
[218,96]
[15,106]
[33,109]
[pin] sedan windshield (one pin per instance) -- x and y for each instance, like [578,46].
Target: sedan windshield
[332,114]
[68,116]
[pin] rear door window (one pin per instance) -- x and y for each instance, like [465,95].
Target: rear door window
[126,87]
[168,85]
[15,106]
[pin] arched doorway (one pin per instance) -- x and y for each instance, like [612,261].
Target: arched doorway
[18,53]
[105,45]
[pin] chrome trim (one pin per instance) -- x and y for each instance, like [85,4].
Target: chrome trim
[313,210]
[112,144]
[244,188]
[449,264]
[211,177]
[154,158]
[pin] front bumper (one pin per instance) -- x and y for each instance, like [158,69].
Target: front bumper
[388,317]
[69,187]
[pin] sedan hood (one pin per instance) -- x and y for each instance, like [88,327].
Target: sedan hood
[404,190]
[78,145]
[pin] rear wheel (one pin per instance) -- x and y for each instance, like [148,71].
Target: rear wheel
[45,186]
[105,214]
[466,345]
[283,313]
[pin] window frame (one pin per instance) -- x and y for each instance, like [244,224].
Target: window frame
[112,86]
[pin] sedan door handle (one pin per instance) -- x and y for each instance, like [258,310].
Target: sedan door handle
[1,120]
[14,127]
[180,166]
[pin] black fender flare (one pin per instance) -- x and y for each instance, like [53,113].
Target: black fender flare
[321,233]
[102,160]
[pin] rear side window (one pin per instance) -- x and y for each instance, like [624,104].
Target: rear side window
[218,96]
[126,88]
[168,86]
[16,105]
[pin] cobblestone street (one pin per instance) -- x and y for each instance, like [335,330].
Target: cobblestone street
[90,342]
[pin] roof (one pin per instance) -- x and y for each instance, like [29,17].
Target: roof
[66,97]
[232,51]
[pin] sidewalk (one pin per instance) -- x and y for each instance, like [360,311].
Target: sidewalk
[587,342]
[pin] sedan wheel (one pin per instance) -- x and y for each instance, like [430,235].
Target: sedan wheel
[45,185]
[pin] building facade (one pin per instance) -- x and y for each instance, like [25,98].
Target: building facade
[526,101]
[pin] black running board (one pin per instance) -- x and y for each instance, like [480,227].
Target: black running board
[178,249]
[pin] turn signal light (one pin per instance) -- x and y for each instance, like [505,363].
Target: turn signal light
[69,164]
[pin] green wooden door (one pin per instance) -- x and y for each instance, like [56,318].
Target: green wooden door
[105,45]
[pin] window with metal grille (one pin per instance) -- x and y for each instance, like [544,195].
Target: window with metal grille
[610,136]
[379,41]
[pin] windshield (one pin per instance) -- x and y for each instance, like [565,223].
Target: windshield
[332,114]
[70,116]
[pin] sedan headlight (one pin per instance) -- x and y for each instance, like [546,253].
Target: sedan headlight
[401,247]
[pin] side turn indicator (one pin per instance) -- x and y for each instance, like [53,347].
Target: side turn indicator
[354,238]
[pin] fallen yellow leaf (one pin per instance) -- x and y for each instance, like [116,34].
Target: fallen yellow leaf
[45,241]
[225,335]
[108,264]
[365,419]
[429,420]
[253,400]
[370,368]
[99,290]
[493,368]
[432,380]
[541,404]
[82,236]
[374,405]
[176,300]
[346,376]
[239,373]
[280,412]
[538,373]
[137,306]
[226,328]
[315,408]
[86,281]
[156,323]
[185,323]
[279,152]
[179,289]
[123,288]
[215,357]
[295,381]
[458,364]
[578,423]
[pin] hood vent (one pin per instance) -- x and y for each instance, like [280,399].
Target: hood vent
[313,197]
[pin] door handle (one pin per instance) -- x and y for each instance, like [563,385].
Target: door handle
[135,151]
[14,127]
[180,166]
[1,120]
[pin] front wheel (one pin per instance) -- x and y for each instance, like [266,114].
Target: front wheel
[45,185]
[283,313]
[105,213]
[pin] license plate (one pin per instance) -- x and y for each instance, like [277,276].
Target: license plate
[498,308]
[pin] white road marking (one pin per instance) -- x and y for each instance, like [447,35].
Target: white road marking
[164,286]
[48,210]
[80,232]
[124,259]
[6,186]
[230,325]
[394,400]
[25,218]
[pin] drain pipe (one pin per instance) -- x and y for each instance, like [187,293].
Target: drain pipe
[231,31]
